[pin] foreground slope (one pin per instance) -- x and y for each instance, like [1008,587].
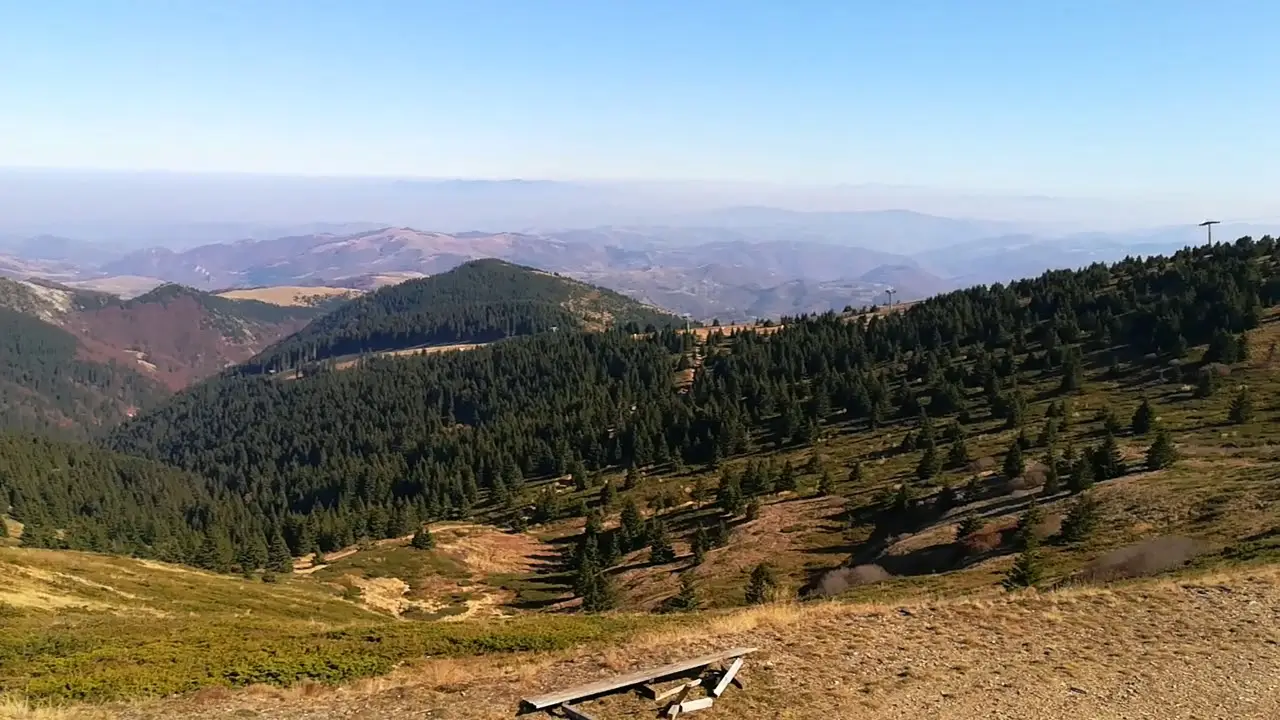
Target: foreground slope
[477,302]
[1200,647]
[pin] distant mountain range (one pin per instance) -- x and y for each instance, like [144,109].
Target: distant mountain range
[734,264]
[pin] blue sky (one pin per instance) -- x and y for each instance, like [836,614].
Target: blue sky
[1091,97]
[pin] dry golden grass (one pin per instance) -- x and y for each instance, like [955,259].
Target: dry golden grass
[429,350]
[1202,646]
[289,295]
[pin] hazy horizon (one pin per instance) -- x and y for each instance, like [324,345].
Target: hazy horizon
[1095,114]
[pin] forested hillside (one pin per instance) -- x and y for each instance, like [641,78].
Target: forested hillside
[47,385]
[75,496]
[478,302]
[341,455]
[73,362]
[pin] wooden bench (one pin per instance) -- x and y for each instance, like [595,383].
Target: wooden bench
[566,700]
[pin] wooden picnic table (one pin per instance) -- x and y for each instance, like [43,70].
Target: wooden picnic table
[587,691]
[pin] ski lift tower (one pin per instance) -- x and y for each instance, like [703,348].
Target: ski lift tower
[1208,226]
[890,293]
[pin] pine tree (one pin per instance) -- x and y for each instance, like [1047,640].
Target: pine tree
[1052,480]
[1143,419]
[968,526]
[1206,383]
[958,455]
[786,478]
[1110,423]
[687,599]
[729,494]
[1161,454]
[927,468]
[1107,461]
[1080,520]
[278,557]
[631,529]
[1081,477]
[1241,407]
[422,539]
[1026,571]
[826,483]
[762,586]
[1048,433]
[1025,534]
[753,510]
[699,544]
[599,595]
[855,474]
[608,495]
[720,535]
[660,550]
[632,478]
[1014,465]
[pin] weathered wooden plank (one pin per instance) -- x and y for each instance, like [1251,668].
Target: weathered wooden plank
[678,705]
[660,695]
[699,704]
[575,714]
[723,685]
[589,690]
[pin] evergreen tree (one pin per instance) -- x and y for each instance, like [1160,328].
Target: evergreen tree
[631,528]
[1027,570]
[686,600]
[928,466]
[720,534]
[968,526]
[1107,461]
[1143,419]
[1080,520]
[753,510]
[1048,433]
[1052,480]
[1161,454]
[1014,464]
[1241,410]
[608,495]
[1110,423]
[786,478]
[729,495]
[1081,477]
[762,586]
[855,474]
[700,544]
[422,539]
[826,483]
[660,550]
[1026,533]
[958,455]
[1206,383]
[278,558]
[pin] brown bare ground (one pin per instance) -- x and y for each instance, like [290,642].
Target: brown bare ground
[289,295]
[428,350]
[1202,648]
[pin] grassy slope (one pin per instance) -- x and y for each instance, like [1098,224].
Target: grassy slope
[76,626]
[1203,646]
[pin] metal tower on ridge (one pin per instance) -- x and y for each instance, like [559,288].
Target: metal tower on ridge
[1208,226]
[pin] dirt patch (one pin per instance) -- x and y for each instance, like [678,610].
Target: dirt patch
[290,295]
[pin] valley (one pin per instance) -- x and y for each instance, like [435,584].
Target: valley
[594,490]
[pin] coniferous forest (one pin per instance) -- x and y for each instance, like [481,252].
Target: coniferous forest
[320,462]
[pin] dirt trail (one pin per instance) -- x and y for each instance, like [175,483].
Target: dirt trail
[1208,648]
